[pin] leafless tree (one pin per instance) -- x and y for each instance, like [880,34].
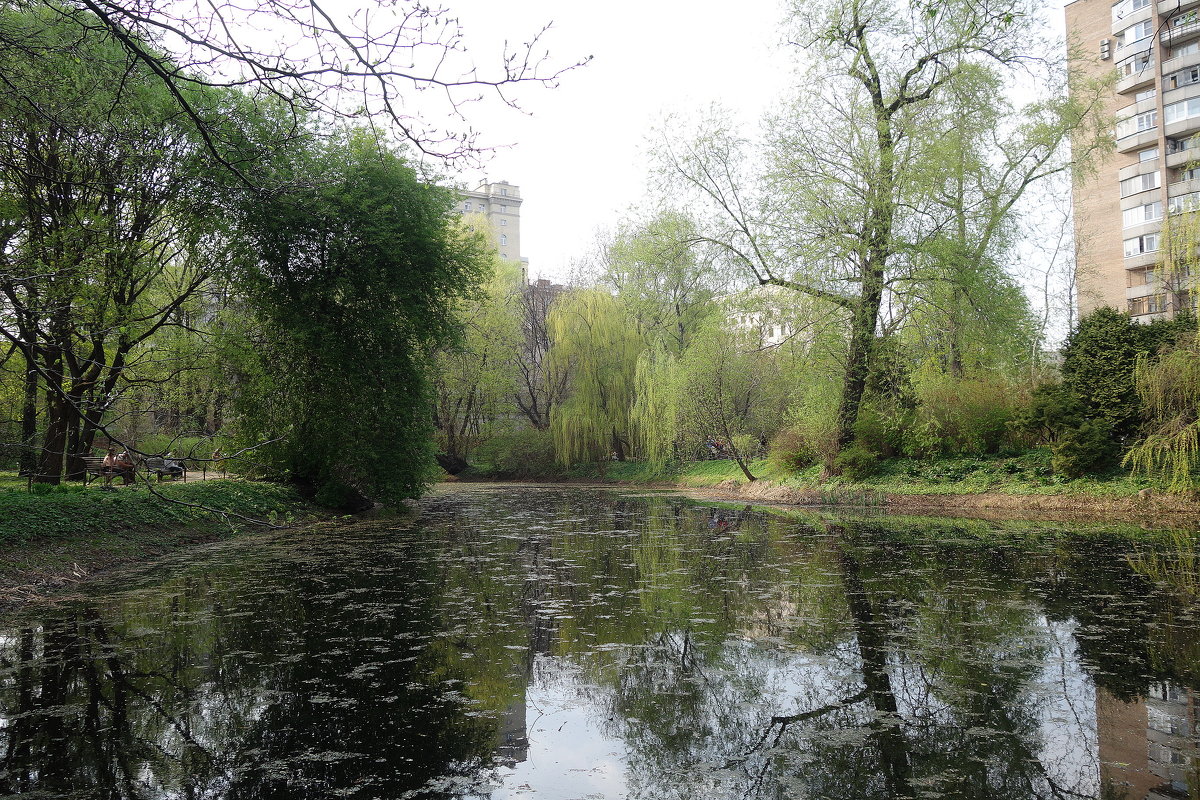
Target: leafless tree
[400,65]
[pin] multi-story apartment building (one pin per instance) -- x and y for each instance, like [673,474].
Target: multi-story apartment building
[500,205]
[1154,47]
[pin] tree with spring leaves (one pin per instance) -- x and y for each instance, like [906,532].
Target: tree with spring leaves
[1169,388]
[592,336]
[352,271]
[851,192]
[108,224]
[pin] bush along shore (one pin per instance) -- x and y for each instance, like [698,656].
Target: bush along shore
[1013,484]
[61,534]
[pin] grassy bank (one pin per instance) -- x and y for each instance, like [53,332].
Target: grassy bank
[952,482]
[55,536]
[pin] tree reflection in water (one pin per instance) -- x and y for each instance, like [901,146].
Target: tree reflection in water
[715,652]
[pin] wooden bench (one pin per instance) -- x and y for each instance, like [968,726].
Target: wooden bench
[155,465]
[94,465]
[160,466]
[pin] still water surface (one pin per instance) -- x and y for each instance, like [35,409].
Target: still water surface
[549,643]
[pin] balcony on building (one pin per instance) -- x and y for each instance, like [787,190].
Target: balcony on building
[1140,168]
[1181,29]
[1180,129]
[1140,77]
[1136,141]
[1139,198]
[1169,7]
[1183,187]
[1181,156]
[1178,63]
[1142,260]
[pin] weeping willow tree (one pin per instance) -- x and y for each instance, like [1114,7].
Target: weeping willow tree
[1180,268]
[656,406]
[1169,388]
[592,337]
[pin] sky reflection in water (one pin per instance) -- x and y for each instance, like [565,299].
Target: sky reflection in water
[584,644]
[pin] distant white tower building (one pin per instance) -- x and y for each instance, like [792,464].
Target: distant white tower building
[500,204]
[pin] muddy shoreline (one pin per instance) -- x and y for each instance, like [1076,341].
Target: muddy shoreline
[1152,510]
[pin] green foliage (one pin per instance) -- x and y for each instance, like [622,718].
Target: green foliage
[593,338]
[351,279]
[655,413]
[1101,355]
[1085,448]
[665,283]
[1169,389]
[475,376]
[791,451]
[879,432]
[1052,410]
[963,417]
[856,463]
[729,387]
[525,453]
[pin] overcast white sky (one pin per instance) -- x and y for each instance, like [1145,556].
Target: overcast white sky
[579,154]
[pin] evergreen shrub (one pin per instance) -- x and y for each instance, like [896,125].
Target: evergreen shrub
[1087,448]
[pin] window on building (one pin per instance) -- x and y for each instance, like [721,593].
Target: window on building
[1150,212]
[1184,202]
[1135,33]
[503,209]
[1184,109]
[1136,64]
[1185,49]
[1149,154]
[467,206]
[504,192]
[1153,304]
[1148,94]
[503,222]
[1127,7]
[503,239]
[1139,183]
[1146,243]
[1140,122]
[1183,19]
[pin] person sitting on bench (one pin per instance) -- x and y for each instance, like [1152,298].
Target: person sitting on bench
[123,466]
[108,467]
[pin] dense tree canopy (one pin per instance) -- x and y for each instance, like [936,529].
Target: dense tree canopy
[351,272]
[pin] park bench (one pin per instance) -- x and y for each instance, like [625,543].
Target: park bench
[160,466]
[155,465]
[92,465]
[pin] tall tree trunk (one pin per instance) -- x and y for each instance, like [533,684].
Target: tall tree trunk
[862,348]
[54,444]
[29,429]
[75,470]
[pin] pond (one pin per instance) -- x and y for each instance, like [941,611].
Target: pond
[572,643]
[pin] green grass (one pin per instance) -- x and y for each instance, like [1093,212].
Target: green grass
[70,510]
[60,533]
